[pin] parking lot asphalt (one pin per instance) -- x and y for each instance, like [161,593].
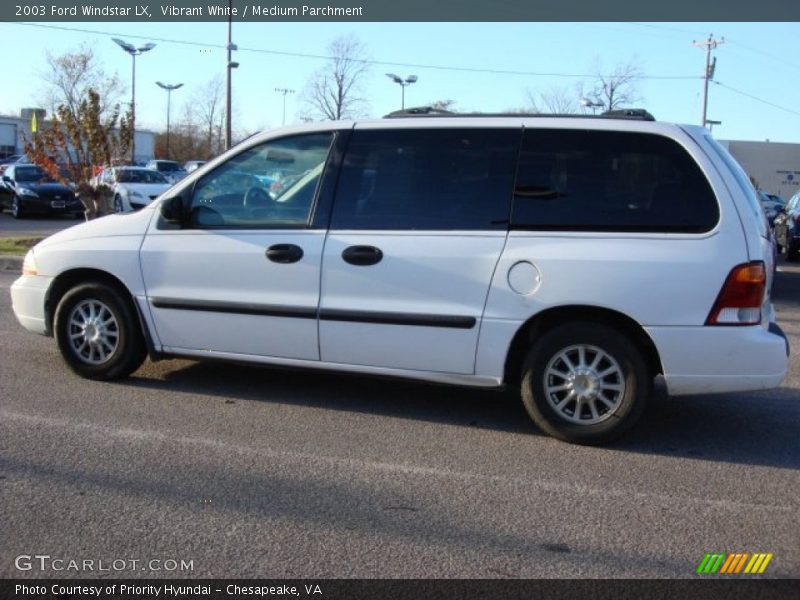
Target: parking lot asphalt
[34,226]
[254,472]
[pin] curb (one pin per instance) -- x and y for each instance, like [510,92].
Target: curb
[11,263]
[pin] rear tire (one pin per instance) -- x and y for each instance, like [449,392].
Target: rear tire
[585,383]
[98,332]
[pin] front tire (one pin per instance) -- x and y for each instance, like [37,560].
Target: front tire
[792,251]
[16,208]
[585,383]
[117,204]
[98,333]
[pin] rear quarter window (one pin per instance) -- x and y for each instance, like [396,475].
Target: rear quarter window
[581,180]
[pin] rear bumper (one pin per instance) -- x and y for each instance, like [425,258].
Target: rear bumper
[27,301]
[709,360]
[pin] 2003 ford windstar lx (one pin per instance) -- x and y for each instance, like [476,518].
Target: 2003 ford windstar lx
[576,258]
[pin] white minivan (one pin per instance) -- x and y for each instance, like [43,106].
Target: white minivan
[577,258]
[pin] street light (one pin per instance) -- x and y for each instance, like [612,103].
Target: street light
[284,91]
[587,103]
[169,88]
[402,83]
[711,123]
[229,76]
[134,52]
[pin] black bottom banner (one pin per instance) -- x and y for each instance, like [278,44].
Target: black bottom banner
[391,589]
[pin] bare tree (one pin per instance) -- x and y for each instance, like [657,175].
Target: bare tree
[70,76]
[556,100]
[209,112]
[334,92]
[617,89]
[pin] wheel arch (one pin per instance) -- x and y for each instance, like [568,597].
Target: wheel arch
[69,279]
[548,319]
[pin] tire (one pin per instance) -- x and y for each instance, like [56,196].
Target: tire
[79,333]
[16,208]
[117,204]
[591,350]
[792,251]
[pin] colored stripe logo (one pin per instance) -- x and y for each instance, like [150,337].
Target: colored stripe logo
[734,563]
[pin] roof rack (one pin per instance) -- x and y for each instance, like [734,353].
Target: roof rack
[629,113]
[420,110]
[634,114]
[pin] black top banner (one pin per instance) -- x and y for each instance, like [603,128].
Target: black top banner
[255,11]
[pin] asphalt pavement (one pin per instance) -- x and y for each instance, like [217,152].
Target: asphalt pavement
[256,472]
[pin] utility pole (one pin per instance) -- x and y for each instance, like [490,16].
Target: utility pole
[284,91]
[710,44]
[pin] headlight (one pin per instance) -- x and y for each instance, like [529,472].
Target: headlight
[23,191]
[135,194]
[29,264]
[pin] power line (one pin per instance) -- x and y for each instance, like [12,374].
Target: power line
[369,62]
[757,99]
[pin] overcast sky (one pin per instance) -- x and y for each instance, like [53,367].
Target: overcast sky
[481,66]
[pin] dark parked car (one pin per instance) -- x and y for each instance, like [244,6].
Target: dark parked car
[772,205]
[787,229]
[29,189]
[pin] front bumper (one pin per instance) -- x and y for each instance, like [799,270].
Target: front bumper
[45,205]
[28,295]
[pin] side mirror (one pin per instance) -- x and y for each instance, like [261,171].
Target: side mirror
[6,178]
[172,210]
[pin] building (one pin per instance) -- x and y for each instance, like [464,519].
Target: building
[773,167]
[14,131]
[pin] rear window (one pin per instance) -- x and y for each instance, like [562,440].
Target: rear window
[578,180]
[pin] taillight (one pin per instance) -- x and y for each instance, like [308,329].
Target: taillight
[739,301]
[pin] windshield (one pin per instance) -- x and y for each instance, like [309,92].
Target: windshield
[29,174]
[168,166]
[139,176]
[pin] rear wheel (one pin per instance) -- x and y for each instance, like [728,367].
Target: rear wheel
[585,383]
[98,333]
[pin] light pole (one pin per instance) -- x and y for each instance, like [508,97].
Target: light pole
[711,123]
[402,83]
[284,91]
[169,88]
[134,52]
[228,70]
[587,103]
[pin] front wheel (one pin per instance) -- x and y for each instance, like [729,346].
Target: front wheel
[16,207]
[98,333]
[792,250]
[117,204]
[585,383]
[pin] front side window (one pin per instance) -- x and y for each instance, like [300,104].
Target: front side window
[426,179]
[581,180]
[268,186]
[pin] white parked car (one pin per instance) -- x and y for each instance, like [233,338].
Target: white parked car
[131,188]
[574,258]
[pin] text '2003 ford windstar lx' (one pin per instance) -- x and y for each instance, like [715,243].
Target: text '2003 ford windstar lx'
[576,258]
